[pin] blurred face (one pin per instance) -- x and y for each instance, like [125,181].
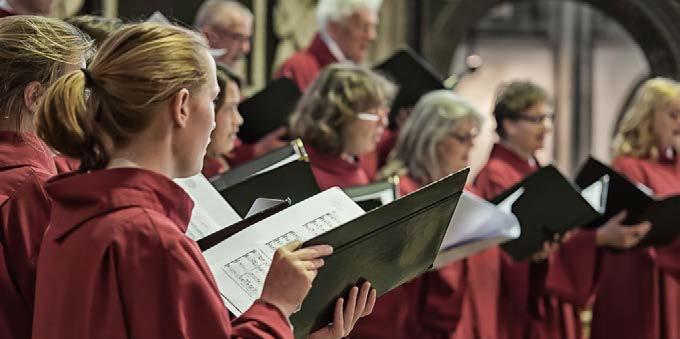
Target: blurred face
[528,132]
[355,34]
[227,120]
[233,36]
[361,135]
[666,126]
[32,7]
[194,138]
[453,150]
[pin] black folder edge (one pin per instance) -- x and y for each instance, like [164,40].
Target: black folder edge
[499,198]
[354,232]
[659,235]
[232,198]
[250,168]
[219,236]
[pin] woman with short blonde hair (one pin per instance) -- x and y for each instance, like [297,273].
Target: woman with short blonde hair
[341,117]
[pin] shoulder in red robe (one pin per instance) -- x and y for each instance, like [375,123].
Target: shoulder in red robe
[332,170]
[304,66]
[25,164]
[116,263]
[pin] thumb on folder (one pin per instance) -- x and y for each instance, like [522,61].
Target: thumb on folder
[291,274]
[616,235]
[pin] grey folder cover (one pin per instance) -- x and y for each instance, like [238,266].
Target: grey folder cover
[373,195]
[387,246]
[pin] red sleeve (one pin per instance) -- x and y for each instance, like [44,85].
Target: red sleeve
[440,303]
[241,154]
[28,214]
[65,164]
[301,68]
[169,292]
[573,269]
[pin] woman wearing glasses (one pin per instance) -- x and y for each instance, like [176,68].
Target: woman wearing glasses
[435,141]
[341,117]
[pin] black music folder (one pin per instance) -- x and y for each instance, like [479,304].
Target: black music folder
[387,246]
[293,180]
[374,195]
[549,207]
[625,195]
[268,109]
[294,151]
[414,76]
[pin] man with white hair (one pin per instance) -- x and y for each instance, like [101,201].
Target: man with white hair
[347,28]
[228,26]
[25,7]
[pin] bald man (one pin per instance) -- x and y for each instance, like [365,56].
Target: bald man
[228,26]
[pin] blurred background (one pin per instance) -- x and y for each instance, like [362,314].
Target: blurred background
[589,55]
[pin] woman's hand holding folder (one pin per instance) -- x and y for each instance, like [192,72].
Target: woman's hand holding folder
[359,304]
[291,274]
[616,235]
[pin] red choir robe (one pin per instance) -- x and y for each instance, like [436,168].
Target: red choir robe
[242,153]
[66,164]
[505,298]
[304,66]
[115,263]
[426,307]
[638,292]
[25,164]
[332,170]
[212,167]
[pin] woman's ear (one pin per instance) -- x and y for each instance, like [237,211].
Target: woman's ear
[180,109]
[32,93]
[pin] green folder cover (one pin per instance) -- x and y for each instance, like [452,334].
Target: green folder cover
[625,195]
[387,246]
[549,207]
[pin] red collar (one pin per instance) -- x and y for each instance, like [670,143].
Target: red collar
[80,197]
[25,149]
[321,52]
[513,159]
[331,163]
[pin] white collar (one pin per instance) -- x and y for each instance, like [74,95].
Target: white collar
[4,5]
[331,44]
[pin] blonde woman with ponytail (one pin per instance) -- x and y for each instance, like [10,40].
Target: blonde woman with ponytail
[115,262]
[34,52]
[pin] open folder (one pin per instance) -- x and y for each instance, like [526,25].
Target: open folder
[374,195]
[476,225]
[294,151]
[549,207]
[640,206]
[388,246]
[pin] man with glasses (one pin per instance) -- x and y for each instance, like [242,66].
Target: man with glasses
[228,26]
[347,29]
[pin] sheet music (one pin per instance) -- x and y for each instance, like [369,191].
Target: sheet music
[240,263]
[479,221]
[211,212]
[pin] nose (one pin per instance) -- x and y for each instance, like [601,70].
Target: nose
[238,121]
[245,47]
[372,33]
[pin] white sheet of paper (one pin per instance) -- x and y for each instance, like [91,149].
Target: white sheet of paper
[385,196]
[211,212]
[593,193]
[240,263]
[477,224]
[262,204]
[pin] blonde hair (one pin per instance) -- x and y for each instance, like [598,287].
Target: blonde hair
[136,71]
[635,136]
[513,99]
[98,28]
[434,117]
[338,95]
[38,49]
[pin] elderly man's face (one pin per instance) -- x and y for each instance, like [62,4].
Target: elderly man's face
[355,34]
[232,35]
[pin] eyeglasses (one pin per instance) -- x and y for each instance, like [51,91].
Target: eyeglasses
[466,138]
[373,117]
[537,119]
